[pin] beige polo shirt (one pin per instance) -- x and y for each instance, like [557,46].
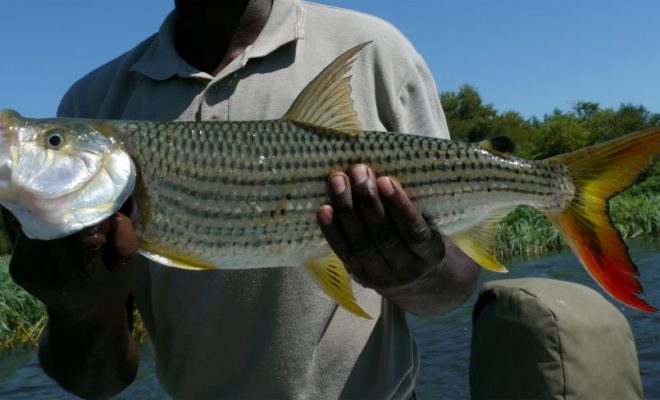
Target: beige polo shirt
[269,333]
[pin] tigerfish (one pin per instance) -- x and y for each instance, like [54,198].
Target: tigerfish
[243,194]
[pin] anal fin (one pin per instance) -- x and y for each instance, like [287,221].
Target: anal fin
[333,278]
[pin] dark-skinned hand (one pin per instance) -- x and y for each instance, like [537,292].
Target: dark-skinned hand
[80,274]
[374,228]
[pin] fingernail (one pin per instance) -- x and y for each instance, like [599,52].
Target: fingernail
[360,174]
[338,184]
[325,215]
[385,186]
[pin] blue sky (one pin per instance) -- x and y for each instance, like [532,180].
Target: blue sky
[525,55]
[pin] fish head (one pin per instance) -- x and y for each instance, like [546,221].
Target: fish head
[58,176]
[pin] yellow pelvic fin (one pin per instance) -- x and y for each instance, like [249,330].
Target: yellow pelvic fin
[501,146]
[330,273]
[598,173]
[326,100]
[166,256]
[480,241]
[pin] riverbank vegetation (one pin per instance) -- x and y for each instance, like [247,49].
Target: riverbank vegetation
[524,232]
[22,317]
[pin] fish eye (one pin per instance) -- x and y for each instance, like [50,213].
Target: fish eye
[54,139]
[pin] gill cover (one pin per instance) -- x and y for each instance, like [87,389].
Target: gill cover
[58,176]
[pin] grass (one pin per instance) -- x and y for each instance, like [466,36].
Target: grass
[22,317]
[525,232]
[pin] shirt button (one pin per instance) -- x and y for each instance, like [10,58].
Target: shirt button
[215,88]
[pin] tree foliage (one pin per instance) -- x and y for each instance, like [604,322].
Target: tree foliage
[559,133]
[471,119]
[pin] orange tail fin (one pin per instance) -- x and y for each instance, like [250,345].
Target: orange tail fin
[598,173]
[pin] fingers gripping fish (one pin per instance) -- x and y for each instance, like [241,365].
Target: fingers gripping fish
[243,194]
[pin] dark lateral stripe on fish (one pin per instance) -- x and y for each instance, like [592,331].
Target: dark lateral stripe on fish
[239,178]
[251,188]
[194,210]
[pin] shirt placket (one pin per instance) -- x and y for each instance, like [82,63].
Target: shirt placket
[215,99]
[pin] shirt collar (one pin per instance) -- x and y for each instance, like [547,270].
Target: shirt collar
[160,61]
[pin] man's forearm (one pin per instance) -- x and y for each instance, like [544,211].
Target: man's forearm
[440,290]
[90,356]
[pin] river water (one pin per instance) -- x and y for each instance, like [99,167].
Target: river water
[444,342]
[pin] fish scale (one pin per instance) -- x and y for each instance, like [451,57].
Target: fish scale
[224,189]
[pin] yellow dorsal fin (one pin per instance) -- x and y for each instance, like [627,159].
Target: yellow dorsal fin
[166,256]
[330,273]
[480,241]
[501,146]
[326,100]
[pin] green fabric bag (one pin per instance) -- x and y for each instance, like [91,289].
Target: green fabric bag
[547,339]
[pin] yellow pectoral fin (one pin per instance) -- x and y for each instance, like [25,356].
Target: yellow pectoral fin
[480,241]
[166,256]
[330,273]
[477,250]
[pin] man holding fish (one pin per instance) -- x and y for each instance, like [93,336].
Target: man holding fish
[259,332]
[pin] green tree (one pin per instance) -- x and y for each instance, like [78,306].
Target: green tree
[606,124]
[631,118]
[467,116]
[601,126]
[586,123]
[586,109]
[559,133]
[513,125]
[654,120]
